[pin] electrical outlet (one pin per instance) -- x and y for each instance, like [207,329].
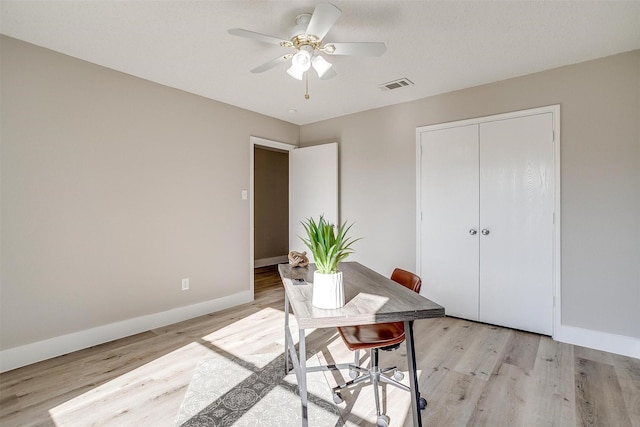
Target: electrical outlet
[185,284]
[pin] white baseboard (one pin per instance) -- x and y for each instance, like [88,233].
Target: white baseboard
[270,261]
[604,341]
[31,353]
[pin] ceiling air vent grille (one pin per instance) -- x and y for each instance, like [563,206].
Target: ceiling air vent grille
[396,84]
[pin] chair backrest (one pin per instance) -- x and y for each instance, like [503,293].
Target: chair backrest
[407,279]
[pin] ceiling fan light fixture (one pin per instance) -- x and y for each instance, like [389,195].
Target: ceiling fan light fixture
[307,41]
[320,65]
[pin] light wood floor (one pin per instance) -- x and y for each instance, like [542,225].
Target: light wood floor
[471,374]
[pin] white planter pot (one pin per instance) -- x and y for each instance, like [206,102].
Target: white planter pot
[328,291]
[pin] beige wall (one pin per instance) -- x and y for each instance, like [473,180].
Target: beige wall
[271,203]
[600,161]
[113,190]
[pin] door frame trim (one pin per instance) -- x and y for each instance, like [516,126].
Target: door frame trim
[555,111]
[260,142]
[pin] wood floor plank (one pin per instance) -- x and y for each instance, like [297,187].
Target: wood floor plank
[503,399]
[483,355]
[599,400]
[550,386]
[521,350]
[628,372]
[454,402]
[453,338]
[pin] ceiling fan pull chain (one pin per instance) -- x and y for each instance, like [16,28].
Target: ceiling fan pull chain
[306,95]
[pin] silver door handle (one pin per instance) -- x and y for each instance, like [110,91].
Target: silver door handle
[473,232]
[484,231]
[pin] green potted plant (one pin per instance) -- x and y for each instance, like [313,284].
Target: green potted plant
[328,248]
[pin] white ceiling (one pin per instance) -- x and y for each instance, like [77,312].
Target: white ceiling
[439,45]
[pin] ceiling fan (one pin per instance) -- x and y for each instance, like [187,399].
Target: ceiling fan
[307,40]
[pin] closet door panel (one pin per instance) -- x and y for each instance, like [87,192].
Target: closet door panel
[516,223]
[449,206]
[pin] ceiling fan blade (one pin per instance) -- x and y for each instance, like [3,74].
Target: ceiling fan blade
[329,74]
[257,36]
[355,48]
[323,18]
[270,64]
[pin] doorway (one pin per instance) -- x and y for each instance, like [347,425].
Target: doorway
[312,191]
[268,203]
[270,206]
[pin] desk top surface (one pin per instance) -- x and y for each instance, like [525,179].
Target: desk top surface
[370,298]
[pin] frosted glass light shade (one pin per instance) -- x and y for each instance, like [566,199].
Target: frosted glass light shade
[301,60]
[320,65]
[295,72]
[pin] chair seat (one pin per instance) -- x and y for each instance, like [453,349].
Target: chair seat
[363,337]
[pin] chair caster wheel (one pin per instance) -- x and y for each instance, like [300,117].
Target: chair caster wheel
[423,403]
[383,421]
[353,373]
[337,398]
[398,376]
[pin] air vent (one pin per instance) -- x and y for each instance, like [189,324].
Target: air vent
[396,84]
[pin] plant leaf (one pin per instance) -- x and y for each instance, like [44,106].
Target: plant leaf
[328,247]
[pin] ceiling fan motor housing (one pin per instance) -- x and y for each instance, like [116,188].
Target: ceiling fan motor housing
[302,22]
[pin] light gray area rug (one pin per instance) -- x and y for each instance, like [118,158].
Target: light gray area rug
[253,391]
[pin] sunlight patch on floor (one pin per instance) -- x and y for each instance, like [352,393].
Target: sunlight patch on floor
[123,396]
[256,333]
[244,347]
[243,364]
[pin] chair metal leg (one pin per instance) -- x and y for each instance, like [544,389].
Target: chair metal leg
[355,370]
[376,393]
[351,382]
[376,376]
[393,382]
[382,420]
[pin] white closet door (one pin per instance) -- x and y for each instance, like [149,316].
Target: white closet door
[516,210]
[449,205]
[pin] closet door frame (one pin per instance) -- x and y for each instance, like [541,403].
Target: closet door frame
[556,273]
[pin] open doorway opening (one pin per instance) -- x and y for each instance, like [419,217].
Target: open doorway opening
[269,200]
[270,206]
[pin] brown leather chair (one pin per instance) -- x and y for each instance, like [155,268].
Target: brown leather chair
[382,336]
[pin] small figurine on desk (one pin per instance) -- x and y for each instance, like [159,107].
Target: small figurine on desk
[297,259]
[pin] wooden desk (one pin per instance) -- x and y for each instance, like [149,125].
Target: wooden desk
[370,298]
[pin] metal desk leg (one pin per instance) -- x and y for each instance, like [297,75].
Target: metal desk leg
[302,381]
[299,360]
[286,332]
[413,374]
